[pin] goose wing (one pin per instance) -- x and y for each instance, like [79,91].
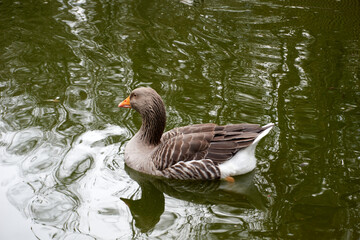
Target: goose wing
[204,141]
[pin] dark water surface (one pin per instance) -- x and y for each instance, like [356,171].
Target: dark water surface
[66,64]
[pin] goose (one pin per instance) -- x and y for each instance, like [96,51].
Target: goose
[195,152]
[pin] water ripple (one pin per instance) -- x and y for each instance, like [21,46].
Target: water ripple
[65,65]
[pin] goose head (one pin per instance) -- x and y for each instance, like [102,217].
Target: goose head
[149,104]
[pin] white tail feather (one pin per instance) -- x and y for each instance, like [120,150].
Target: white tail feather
[263,134]
[244,161]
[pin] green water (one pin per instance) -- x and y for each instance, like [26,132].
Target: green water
[65,65]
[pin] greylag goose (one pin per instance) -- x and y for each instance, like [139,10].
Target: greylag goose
[198,152]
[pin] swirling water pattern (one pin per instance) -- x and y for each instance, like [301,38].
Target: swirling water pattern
[65,65]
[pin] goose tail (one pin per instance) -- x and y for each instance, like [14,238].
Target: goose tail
[244,161]
[266,129]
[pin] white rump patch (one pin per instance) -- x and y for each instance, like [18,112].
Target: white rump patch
[244,161]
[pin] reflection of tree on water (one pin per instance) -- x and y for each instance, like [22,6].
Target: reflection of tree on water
[147,210]
[73,194]
[86,149]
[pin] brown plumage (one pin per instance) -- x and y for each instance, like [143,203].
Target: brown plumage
[191,152]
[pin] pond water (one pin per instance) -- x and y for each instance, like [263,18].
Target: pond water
[66,64]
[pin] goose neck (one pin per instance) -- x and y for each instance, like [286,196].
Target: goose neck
[153,125]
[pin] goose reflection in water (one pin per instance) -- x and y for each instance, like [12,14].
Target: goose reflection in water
[147,210]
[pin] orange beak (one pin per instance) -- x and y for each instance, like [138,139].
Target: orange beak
[125,103]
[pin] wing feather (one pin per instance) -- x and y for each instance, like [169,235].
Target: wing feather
[196,143]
